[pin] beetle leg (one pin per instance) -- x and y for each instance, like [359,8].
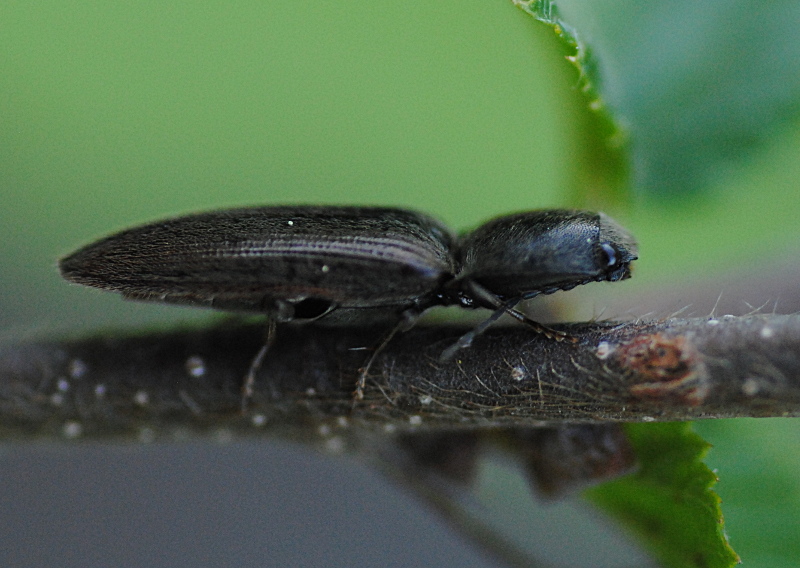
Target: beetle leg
[467,339]
[407,320]
[508,307]
[255,365]
[490,300]
[540,328]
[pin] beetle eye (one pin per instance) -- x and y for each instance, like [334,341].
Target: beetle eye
[609,254]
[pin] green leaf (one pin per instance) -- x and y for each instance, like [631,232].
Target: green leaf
[605,153]
[696,84]
[758,461]
[669,503]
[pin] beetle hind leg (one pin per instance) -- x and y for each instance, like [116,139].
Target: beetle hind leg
[407,320]
[249,382]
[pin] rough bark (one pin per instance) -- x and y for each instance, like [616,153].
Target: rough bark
[187,382]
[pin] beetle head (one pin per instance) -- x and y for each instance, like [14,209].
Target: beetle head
[617,249]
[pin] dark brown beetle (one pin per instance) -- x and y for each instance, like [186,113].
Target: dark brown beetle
[354,264]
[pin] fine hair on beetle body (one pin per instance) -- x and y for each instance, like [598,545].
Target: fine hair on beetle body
[337,265]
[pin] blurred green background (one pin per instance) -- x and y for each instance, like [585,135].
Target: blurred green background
[112,115]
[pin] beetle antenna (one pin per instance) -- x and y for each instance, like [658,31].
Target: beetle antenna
[250,379]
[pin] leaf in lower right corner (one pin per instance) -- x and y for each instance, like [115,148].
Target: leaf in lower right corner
[669,503]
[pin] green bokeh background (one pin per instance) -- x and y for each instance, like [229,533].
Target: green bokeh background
[111,115]
[117,115]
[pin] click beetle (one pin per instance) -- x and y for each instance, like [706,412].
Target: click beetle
[354,264]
